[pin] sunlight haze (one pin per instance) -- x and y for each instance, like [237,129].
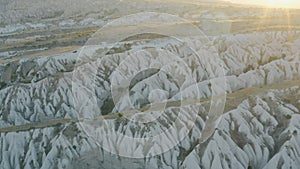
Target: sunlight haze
[271,3]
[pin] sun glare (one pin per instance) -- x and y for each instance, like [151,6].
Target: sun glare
[271,3]
[282,3]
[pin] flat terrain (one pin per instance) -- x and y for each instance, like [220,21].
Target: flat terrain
[212,18]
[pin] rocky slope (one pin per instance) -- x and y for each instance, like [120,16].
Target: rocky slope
[229,100]
[259,127]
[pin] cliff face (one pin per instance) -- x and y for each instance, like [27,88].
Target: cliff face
[229,100]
